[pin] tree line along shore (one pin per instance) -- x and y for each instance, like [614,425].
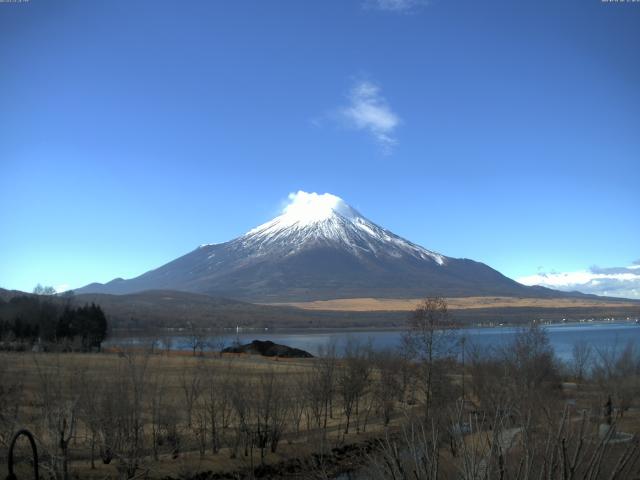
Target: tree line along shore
[44,322]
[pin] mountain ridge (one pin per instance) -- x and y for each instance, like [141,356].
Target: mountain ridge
[321,248]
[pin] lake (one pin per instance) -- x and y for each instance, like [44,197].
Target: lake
[563,337]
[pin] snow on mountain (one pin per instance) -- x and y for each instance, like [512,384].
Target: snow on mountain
[320,248]
[313,219]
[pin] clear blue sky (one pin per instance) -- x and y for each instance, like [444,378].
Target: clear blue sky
[133,131]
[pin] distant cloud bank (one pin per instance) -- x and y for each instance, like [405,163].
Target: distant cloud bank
[612,282]
[368,110]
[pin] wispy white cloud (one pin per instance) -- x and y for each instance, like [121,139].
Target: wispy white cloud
[611,281]
[394,5]
[368,110]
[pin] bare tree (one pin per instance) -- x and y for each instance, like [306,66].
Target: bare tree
[156,403]
[521,377]
[122,416]
[581,357]
[617,372]
[167,341]
[353,379]
[11,400]
[91,390]
[217,339]
[322,384]
[58,401]
[191,383]
[240,401]
[532,373]
[200,426]
[489,379]
[430,338]
[315,392]
[217,403]
[415,455]
[168,426]
[196,339]
[270,411]
[564,448]
[47,290]
[387,384]
[298,404]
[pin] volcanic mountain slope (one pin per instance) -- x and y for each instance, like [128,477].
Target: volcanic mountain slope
[321,248]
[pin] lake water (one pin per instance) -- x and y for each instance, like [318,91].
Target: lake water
[562,337]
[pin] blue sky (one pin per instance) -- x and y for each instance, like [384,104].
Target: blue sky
[133,131]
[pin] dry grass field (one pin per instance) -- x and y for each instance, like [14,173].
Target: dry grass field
[172,415]
[460,303]
[178,397]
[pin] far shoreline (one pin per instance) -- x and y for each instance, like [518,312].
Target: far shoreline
[230,331]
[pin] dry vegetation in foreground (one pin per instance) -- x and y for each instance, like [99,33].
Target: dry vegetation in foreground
[504,413]
[117,415]
[460,303]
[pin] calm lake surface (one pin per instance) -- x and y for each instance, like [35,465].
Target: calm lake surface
[562,337]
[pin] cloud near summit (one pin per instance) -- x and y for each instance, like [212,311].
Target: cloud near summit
[369,111]
[611,281]
[310,206]
[311,200]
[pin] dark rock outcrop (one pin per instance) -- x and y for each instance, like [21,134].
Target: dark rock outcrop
[268,349]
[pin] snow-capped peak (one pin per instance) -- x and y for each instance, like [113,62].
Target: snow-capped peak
[306,208]
[312,218]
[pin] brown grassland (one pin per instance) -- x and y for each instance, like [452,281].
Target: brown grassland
[459,303]
[416,413]
[54,384]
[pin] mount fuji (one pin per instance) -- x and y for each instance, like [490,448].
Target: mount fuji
[320,248]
